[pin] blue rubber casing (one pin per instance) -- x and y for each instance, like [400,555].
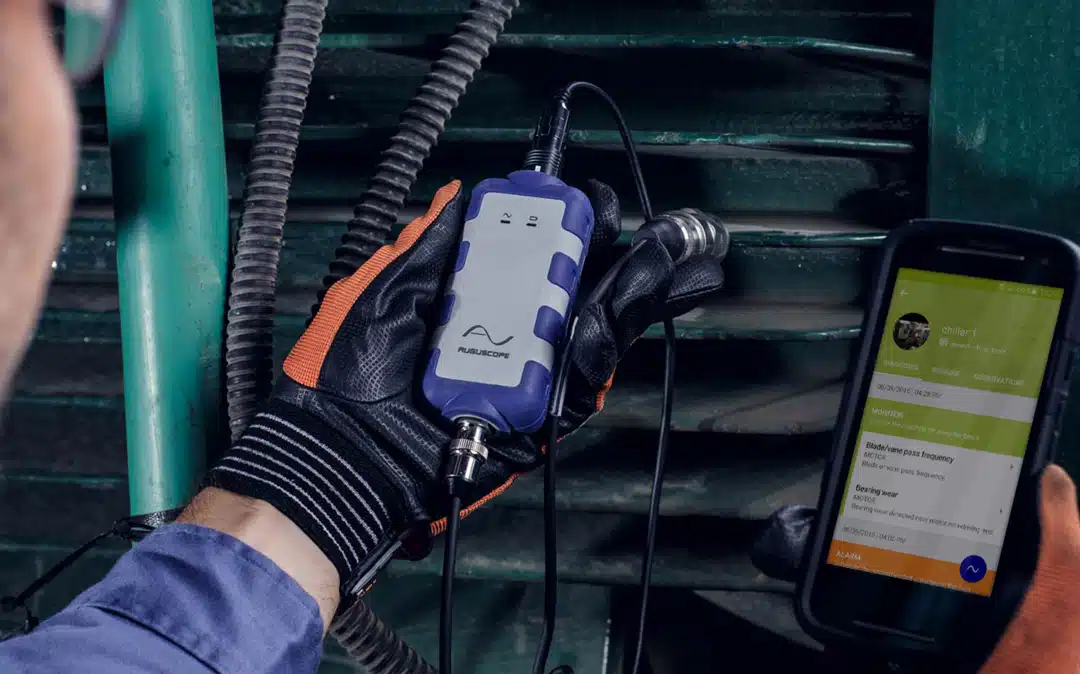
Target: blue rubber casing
[482,354]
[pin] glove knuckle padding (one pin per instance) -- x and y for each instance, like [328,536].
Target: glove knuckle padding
[607,216]
[649,288]
[695,278]
[640,293]
[595,353]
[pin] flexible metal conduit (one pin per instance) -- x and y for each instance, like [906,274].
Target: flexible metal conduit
[249,331]
[373,645]
[250,320]
[418,132]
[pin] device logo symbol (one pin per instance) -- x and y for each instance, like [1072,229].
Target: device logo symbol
[481,330]
[973,568]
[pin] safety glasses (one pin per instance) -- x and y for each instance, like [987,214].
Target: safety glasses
[90,29]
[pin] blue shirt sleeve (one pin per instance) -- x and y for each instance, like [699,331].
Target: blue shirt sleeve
[186,599]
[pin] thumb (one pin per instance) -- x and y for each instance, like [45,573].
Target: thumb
[1040,639]
[1059,519]
[607,215]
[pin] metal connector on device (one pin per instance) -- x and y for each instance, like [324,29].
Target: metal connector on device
[687,231]
[468,452]
[549,138]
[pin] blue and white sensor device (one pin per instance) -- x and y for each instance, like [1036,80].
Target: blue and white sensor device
[506,309]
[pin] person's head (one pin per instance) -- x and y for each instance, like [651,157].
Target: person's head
[38,155]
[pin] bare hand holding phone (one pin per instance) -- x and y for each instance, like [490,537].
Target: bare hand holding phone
[928,531]
[1044,636]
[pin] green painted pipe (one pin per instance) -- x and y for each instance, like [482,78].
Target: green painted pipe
[166,136]
[81,35]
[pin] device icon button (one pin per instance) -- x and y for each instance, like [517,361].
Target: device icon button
[973,568]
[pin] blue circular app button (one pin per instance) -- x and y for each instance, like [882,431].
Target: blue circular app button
[973,568]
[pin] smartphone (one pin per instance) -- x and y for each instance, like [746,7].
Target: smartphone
[928,508]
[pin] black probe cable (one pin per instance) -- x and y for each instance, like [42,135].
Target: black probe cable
[624,133]
[551,571]
[657,487]
[549,159]
[446,609]
[551,579]
[552,132]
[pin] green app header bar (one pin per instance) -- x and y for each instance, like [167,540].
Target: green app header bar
[972,332]
[981,284]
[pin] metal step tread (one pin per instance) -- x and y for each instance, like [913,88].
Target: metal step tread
[603,549]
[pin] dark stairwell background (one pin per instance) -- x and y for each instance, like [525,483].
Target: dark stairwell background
[761,110]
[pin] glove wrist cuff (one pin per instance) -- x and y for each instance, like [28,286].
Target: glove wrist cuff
[308,472]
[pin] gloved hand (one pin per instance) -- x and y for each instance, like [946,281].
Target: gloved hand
[778,551]
[348,449]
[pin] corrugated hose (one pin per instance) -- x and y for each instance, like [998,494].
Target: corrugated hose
[249,328]
[373,645]
[418,132]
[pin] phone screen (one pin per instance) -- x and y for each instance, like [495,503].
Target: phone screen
[943,433]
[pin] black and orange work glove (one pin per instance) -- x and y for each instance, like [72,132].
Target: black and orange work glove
[348,448]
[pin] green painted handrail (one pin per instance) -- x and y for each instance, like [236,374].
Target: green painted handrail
[167,141]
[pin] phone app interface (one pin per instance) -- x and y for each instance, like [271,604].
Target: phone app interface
[944,430]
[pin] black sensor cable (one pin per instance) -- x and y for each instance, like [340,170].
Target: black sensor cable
[446,609]
[546,155]
[657,487]
[682,233]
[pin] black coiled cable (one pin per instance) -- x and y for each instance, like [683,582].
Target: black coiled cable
[418,132]
[249,331]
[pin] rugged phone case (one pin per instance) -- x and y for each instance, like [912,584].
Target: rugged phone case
[1047,426]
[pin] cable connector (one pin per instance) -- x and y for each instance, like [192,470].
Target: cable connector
[553,130]
[549,137]
[685,232]
[468,452]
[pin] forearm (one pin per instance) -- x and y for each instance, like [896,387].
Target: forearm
[263,528]
[187,599]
